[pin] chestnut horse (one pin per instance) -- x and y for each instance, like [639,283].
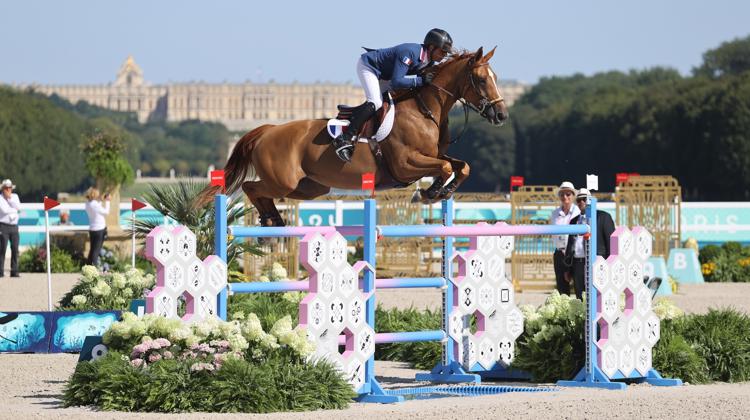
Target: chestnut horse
[295,159]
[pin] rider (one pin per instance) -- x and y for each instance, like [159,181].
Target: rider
[391,64]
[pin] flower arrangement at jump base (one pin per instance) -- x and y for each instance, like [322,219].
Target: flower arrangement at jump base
[166,365]
[107,291]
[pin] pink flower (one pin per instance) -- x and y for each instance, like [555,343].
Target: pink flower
[168,355]
[154,357]
[220,344]
[162,342]
[137,363]
[138,351]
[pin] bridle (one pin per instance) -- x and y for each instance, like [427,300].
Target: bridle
[485,103]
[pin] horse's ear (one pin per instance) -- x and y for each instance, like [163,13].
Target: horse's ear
[489,55]
[478,55]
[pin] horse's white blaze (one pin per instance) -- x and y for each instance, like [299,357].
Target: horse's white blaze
[494,80]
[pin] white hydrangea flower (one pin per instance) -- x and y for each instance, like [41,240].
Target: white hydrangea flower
[79,300]
[100,289]
[278,272]
[252,328]
[118,281]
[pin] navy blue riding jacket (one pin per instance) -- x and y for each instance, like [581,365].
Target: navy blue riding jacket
[396,62]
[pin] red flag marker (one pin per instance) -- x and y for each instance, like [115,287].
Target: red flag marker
[136,205]
[217,179]
[368,181]
[516,181]
[50,203]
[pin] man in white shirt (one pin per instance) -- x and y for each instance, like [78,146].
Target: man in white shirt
[10,207]
[575,252]
[562,216]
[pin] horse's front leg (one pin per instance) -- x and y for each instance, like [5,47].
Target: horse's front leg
[440,169]
[461,170]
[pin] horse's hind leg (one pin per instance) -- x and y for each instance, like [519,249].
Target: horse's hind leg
[269,214]
[307,189]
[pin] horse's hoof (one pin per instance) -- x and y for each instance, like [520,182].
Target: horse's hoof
[416,197]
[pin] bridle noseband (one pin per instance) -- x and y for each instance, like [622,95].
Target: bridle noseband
[485,103]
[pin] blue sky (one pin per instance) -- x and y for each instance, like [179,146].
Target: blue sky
[86,41]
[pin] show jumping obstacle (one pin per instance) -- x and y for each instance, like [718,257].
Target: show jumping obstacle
[339,310]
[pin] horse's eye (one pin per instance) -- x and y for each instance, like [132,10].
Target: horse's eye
[482,82]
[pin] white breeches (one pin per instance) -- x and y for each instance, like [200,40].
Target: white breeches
[372,85]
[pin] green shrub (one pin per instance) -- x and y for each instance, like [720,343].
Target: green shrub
[722,339]
[268,307]
[728,263]
[279,384]
[422,355]
[34,260]
[709,253]
[732,248]
[552,344]
[727,268]
[674,357]
[105,291]
[157,364]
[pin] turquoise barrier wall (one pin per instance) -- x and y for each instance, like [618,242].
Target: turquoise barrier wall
[706,222]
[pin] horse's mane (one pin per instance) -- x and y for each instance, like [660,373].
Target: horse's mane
[454,58]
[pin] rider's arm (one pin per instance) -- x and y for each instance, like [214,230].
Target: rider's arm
[401,68]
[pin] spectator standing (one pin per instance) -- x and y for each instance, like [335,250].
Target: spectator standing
[562,216]
[10,207]
[96,211]
[575,254]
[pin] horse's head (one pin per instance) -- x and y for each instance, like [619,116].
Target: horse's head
[481,91]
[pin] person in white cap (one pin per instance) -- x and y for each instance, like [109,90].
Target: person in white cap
[562,216]
[10,207]
[575,254]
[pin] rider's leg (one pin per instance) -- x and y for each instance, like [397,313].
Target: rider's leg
[344,144]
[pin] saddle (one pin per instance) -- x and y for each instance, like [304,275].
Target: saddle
[369,128]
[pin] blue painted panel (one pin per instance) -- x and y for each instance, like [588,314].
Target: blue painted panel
[72,328]
[52,332]
[683,265]
[28,333]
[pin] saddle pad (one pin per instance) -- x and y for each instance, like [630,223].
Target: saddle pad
[335,126]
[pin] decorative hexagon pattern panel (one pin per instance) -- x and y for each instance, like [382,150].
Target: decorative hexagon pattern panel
[627,327]
[336,306]
[484,320]
[179,272]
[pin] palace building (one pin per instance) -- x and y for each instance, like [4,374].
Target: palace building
[239,106]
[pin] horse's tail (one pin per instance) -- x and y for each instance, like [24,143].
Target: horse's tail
[235,170]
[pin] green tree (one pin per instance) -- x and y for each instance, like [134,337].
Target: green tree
[103,150]
[730,58]
[39,145]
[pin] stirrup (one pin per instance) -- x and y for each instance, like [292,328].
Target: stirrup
[344,148]
[345,152]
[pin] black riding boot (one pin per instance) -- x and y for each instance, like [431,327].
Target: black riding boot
[344,144]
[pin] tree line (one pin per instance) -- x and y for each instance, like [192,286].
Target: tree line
[42,139]
[653,121]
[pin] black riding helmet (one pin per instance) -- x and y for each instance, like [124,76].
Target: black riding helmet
[440,39]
